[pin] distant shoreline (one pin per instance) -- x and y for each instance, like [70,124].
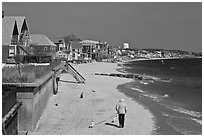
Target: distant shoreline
[127,61]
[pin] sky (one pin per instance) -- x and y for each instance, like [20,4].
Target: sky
[143,25]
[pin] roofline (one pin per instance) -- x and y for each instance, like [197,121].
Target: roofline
[16,17]
[43,36]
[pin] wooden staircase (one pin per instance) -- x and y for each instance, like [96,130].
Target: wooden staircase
[26,50]
[79,78]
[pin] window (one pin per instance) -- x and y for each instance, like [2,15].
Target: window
[73,55]
[11,52]
[73,49]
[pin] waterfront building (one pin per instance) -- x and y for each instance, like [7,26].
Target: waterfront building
[158,54]
[60,43]
[62,48]
[90,49]
[126,45]
[15,37]
[76,50]
[41,45]
[9,38]
[63,55]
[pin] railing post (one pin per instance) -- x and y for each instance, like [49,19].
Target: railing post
[55,82]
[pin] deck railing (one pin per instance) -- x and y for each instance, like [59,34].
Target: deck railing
[10,107]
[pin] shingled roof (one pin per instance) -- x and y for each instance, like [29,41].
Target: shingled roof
[41,40]
[8,26]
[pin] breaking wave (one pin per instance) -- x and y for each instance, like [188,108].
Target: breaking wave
[137,89]
[185,111]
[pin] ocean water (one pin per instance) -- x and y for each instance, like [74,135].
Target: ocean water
[174,98]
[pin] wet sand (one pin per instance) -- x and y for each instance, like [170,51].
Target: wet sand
[68,114]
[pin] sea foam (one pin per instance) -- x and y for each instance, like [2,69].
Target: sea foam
[197,121]
[194,119]
[137,90]
[185,111]
[145,83]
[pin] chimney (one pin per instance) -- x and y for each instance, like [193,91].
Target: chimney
[2,14]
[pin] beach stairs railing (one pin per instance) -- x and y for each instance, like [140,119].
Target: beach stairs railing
[79,78]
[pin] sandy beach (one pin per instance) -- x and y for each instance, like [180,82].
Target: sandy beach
[68,114]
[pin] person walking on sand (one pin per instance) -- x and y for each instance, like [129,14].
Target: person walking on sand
[121,109]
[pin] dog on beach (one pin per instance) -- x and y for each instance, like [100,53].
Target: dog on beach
[92,124]
[114,119]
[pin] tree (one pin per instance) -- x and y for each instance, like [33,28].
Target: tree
[19,60]
[71,37]
[197,53]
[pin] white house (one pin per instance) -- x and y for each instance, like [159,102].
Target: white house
[90,48]
[76,50]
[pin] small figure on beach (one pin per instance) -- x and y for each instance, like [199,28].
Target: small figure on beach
[57,83]
[82,95]
[92,124]
[166,95]
[114,118]
[121,109]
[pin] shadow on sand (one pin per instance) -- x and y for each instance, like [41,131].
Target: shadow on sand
[68,81]
[110,124]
